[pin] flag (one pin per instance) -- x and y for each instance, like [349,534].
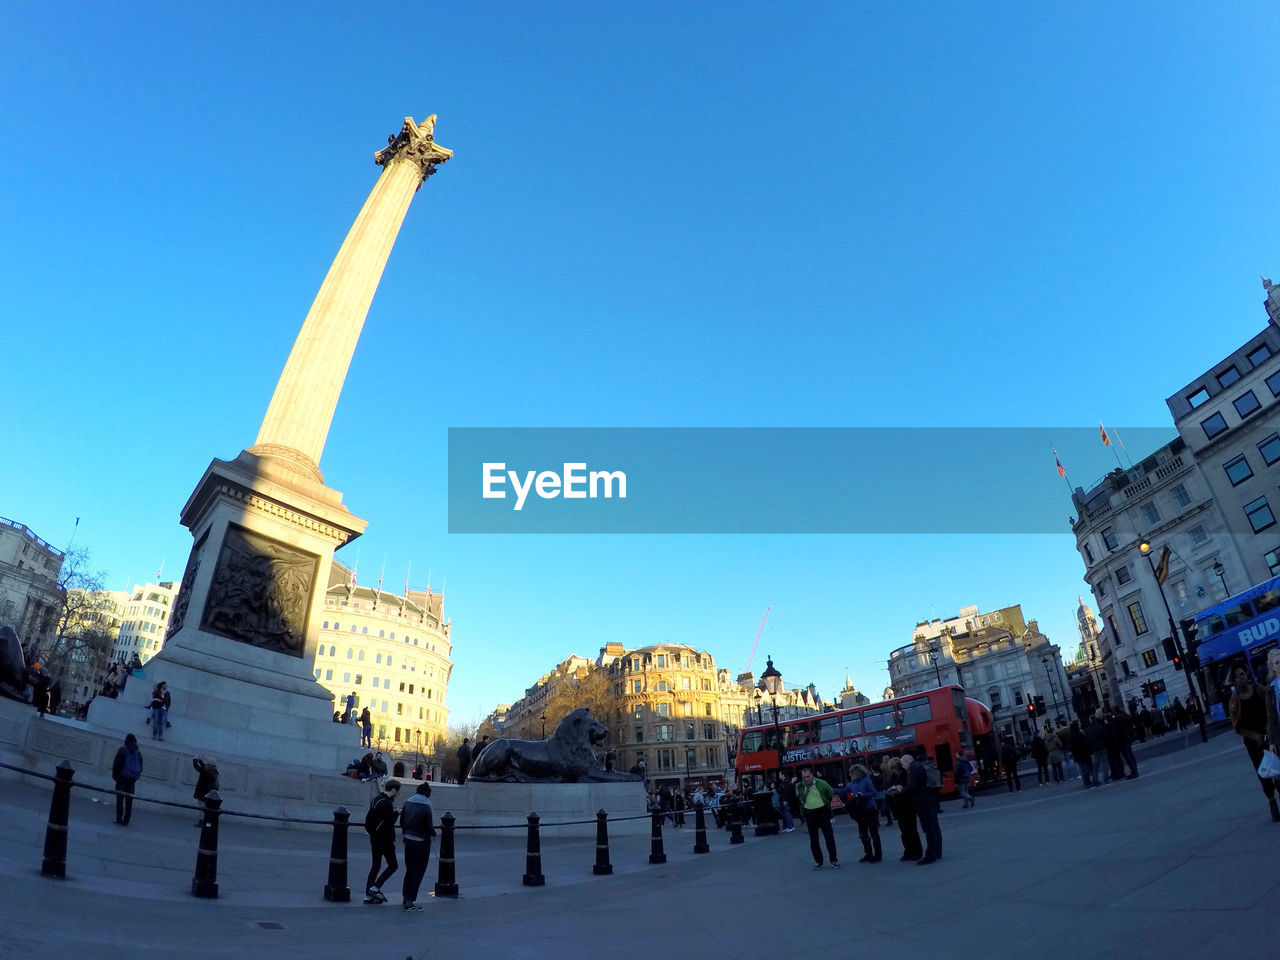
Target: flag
[1102,431]
[1062,471]
[1162,568]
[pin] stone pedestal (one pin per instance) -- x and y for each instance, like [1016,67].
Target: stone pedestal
[240,650]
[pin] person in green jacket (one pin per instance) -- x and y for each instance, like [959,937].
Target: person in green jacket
[815,803]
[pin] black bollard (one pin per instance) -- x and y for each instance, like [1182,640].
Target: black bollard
[205,883]
[735,824]
[336,890]
[700,832]
[656,853]
[55,834]
[446,879]
[602,865]
[533,856]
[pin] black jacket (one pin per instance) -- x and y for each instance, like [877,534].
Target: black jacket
[208,779]
[117,765]
[380,821]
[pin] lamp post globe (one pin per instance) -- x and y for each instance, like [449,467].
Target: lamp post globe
[771,680]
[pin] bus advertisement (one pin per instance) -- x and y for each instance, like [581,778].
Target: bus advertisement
[937,722]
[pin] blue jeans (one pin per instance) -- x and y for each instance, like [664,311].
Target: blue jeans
[1100,766]
[159,717]
[787,822]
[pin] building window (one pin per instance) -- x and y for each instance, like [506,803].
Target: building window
[664,733]
[666,759]
[1150,514]
[712,756]
[1102,591]
[1180,495]
[1017,698]
[993,695]
[378,659]
[689,733]
[664,709]
[1124,665]
[1272,560]
[1198,536]
[639,732]
[1213,425]
[1228,376]
[326,625]
[1259,354]
[686,683]
[706,709]
[1238,470]
[359,678]
[364,629]
[686,708]
[1259,514]
[346,677]
[708,731]
[690,758]
[660,661]
[1109,539]
[1246,404]
[1201,396]
[1136,618]
[1123,576]
[317,673]
[1270,449]
[1273,383]
[1088,554]
[1149,658]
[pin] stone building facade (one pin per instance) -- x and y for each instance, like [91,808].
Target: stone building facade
[143,619]
[30,598]
[394,652]
[998,657]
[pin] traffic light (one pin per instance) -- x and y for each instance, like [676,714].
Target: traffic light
[1190,643]
[1146,689]
[1031,709]
[1177,662]
[1039,705]
[1157,688]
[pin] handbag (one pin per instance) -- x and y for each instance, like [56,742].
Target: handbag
[1269,768]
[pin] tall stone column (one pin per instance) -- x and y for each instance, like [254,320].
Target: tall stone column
[242,635]
[297,421]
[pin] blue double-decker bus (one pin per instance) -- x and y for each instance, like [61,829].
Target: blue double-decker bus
[1240,629]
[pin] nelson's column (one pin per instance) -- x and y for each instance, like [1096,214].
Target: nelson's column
[241,641]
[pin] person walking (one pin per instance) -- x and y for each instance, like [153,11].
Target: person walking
[1069,767]
[380,824]
[779,800]
[160,704]
[1009,760]
[125,771]
[924,786]
[417,826]
[206,780]
[903,809]
[366,727]
[464,761]
[815,800]
[864,802]
[1248,712]
[962,774]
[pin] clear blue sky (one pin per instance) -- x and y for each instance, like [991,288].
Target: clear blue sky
[658,215]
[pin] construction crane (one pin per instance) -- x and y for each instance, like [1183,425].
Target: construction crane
[758,632]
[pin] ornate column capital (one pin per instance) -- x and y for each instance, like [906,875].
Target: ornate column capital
[415,143]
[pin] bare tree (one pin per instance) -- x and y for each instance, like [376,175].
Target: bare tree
[83,639]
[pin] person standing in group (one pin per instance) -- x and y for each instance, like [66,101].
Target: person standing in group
[924,787]
[962,773]
[1009,760]
[1070,770]
[1248,712]
[1055,755]
[779,800]
[479,749]
[1080,753]
[464,761]
[366,727]
[903,809]
[417,825]
[1040,754]
[1097,737]
[881,779]
[864,804]
[125,771]
[610,758]
[160,704]
[380,824]
[815,800]
[1273,701]
[1122,730]
[206,780]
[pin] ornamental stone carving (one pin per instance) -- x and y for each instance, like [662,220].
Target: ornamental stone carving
[415,143]
[261,592]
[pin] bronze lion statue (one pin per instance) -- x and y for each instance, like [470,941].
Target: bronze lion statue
[13,668]
[567,756]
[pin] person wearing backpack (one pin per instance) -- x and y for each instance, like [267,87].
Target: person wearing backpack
[380,825]
[125,771]
[926,800]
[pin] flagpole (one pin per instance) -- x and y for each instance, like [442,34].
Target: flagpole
[1123,447]
[1062,471]
[1106,442]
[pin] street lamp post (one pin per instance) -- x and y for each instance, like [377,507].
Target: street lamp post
[759,697]
[933,656]
[1053,691]
[771,680]
[1145,549]
[1220,570]
[544,724]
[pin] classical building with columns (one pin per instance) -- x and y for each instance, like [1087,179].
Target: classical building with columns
[30,598]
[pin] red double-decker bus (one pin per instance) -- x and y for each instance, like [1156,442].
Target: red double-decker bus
[937,722]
